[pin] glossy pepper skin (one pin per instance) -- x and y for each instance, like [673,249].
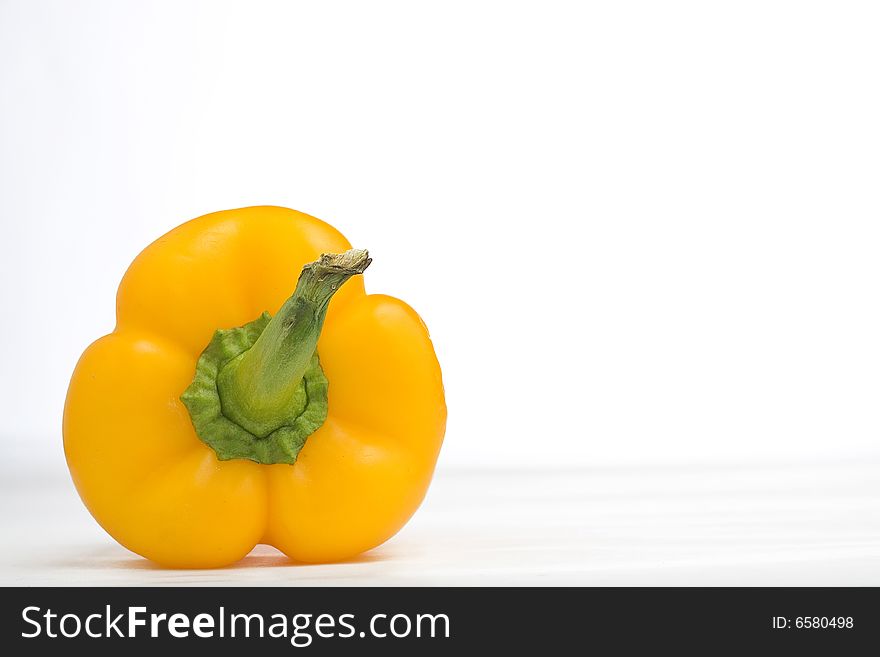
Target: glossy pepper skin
[162,492]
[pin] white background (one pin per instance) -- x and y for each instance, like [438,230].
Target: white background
[640,233]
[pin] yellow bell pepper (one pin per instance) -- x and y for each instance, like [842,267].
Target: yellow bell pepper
[203,426]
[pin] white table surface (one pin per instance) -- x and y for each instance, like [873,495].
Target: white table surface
[808,524]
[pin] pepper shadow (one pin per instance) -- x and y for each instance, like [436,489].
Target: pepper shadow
[262,556]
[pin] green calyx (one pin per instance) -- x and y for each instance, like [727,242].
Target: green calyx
[229,439]
[259,391]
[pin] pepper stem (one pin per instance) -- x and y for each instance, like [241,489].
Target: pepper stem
[259,387]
